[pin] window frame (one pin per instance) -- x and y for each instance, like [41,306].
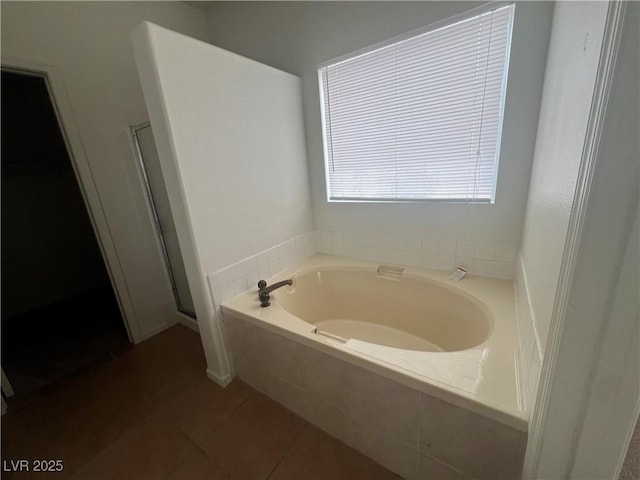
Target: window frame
[447,22]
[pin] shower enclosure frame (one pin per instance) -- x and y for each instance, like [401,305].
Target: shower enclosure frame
[156,219]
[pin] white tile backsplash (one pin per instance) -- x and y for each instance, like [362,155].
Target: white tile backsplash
[446,262]
[414,245]
[446,248]
[264,271]
[484,252]
[464,249]
[251,264]
[503,269]
[386,242]
[429,260]
[275,266]
[483,267]
[506,254]
[240,285]
[430,246]
[253,277]
[349,238]
[223,293]
[371,240]
[272,254]
[220,278]
[237,270]
[399,243]
[482,259]
[466,262]
[243,275]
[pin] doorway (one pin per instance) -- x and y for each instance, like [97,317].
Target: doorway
[59,311]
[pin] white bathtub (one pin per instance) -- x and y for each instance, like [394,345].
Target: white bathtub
[450,341]
[386,307]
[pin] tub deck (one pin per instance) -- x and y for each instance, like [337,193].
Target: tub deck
[481,379]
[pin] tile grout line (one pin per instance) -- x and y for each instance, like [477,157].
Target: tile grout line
[230,414]
[197,446]
[290,447]
[186,457]
[128,429]
[216,428]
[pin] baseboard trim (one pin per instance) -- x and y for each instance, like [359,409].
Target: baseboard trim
[222,380]
[155,330]
[188,322]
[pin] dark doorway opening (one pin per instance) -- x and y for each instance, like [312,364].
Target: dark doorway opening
[59,311]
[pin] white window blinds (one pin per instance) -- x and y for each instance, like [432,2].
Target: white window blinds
[419,119]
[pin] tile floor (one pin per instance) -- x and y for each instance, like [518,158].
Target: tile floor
[151,413]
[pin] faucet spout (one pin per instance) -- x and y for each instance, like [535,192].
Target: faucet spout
[264,291]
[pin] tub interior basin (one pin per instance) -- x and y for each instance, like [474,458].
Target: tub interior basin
[401,312]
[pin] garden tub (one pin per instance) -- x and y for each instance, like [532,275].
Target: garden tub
[438,353]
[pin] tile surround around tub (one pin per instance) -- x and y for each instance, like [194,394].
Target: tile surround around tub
[241,276]
[462,438]
[409,432]
[234,279]
[382,419]
[487,260]
[531,349]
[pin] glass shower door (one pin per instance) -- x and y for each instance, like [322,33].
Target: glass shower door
[165,227]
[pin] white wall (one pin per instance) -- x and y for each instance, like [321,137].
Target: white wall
[574,52]
[87,46]
[297,36]
[590,398]
[230,137]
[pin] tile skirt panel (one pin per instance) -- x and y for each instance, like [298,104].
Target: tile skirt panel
[407,431]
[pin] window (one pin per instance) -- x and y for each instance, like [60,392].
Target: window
[419,119]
